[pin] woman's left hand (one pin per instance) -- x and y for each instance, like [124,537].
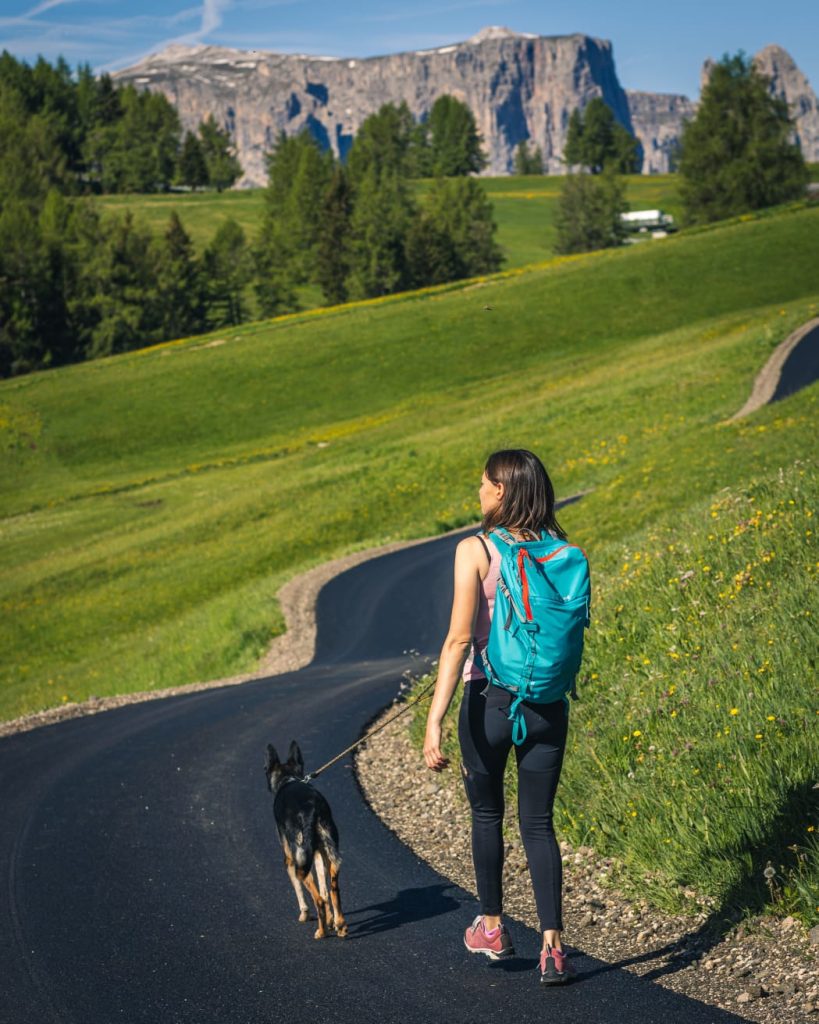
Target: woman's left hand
[432,748]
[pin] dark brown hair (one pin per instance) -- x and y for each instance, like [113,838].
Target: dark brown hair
[528,501]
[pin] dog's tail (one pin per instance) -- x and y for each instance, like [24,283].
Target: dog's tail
[303,848]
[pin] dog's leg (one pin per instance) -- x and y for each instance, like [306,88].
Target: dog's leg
[318,899]
[335,896]
[321,875]
[297,886]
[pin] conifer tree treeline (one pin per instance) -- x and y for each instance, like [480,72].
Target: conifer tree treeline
[76,285]
[93,136]
[357,231]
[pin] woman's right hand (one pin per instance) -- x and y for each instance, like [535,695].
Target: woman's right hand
[432,748]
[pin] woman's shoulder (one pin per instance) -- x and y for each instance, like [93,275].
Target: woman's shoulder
[475,549]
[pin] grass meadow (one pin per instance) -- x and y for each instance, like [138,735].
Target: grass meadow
[524,211]
[152,504]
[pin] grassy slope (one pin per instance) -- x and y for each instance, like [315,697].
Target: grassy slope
[187,472]
[153,503]
[524,209]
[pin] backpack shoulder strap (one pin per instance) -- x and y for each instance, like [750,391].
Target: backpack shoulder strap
[479,535]
[502,539]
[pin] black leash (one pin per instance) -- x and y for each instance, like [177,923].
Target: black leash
[372,732]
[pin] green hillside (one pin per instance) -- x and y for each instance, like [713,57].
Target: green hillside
[153,504]
[523,210]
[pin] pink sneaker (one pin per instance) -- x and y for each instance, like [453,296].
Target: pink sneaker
[554,967]
[495,944]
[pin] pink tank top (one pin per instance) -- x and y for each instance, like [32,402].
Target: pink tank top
[486,602]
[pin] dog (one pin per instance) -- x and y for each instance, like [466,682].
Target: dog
[309,839]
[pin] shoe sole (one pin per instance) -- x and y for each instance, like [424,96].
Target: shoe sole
[491,952]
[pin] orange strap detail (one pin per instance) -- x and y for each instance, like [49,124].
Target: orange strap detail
[524,582]
[555,552]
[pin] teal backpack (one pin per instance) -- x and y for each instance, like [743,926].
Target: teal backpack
[538,621]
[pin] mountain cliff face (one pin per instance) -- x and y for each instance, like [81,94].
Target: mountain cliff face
[657,120]
[518,87]
[788,83]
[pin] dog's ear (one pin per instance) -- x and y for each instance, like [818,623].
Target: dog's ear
[294,757]
[272,759]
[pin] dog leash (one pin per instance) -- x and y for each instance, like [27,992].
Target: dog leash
[416,700]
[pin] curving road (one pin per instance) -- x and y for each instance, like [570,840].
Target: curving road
[143,880]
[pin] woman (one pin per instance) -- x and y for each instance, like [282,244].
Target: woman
[517,494]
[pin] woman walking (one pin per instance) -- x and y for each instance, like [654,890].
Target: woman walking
[516,494]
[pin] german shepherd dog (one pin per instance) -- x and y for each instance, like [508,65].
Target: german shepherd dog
[309,838]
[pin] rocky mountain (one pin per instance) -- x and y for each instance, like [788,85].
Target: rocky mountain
[789,84]
[519,87]
[657,120]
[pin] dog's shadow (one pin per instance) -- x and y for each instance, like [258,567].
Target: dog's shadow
[406,906]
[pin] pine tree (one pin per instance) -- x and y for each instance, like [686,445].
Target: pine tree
[193,171]
[419,153]
[526,161]
[573,153]
[430,254]
[25,290]
[596,141]
[383,144]
[137,152]
[285,252]
[737,152]
[455,144]
[588,213]
[332,249]
[118,293]
[179,284]
[223,166]
[461,210]
[227,270]
[381,218]
[32,160]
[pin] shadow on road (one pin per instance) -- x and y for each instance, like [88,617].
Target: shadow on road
[407,905]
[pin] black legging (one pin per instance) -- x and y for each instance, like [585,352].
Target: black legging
[485,734]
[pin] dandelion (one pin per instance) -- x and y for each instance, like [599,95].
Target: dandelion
[734,711]
[636,733]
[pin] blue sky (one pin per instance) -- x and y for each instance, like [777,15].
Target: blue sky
[657,47]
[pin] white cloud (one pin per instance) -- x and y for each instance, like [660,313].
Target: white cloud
[212,15]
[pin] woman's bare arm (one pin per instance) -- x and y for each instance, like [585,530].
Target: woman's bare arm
[468,557]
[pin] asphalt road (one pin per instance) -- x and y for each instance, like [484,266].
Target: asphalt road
[144,882]
[800,368]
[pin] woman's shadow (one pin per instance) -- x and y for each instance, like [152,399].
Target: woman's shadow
[410,905]
[406,906]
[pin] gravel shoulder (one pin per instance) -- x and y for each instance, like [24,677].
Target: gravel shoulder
[765,969]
